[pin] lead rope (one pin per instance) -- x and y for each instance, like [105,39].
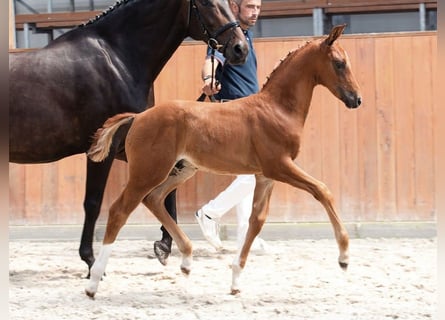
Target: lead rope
[213,44]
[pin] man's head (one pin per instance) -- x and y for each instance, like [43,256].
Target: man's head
[246,12]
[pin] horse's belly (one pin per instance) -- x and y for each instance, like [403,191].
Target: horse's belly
[223,165]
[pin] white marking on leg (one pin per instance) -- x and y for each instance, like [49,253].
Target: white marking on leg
[236,273]
[186,264]
[98,269]
[344,257]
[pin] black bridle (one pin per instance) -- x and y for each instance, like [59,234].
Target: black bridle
[212,37]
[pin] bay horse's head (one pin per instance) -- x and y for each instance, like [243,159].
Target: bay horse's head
[335,70]
[214,22]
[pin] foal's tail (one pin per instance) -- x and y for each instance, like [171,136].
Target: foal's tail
[103,138]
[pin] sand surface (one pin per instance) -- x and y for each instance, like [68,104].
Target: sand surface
[296,279]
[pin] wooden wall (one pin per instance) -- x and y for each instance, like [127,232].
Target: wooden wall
[378,160]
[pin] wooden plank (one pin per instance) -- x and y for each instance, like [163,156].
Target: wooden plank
[424,53]
[17,210]
[385,127]
[56,19]
[33,194]
[365,71]
[51,199]
[404,134]
[348,150]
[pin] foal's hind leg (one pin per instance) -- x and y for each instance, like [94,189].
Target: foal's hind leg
[119,213]
[297,177]
[260,210]
[155,200]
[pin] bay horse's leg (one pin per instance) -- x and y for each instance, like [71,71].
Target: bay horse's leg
[97,175]
[260,210]
[182,171]
[292,174]
[120,210]
[162,248]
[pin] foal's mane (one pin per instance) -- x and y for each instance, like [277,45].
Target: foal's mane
[285,59]
[117,4]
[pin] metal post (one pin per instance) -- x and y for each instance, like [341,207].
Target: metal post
[317,18]
[26,34]
[50,6]
[422,16]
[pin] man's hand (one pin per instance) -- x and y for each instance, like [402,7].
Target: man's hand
[211,87]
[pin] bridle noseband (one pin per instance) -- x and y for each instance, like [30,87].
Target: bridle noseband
[212,38]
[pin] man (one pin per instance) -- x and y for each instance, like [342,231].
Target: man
[227,82]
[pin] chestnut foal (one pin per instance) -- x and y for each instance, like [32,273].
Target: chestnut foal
[259,134]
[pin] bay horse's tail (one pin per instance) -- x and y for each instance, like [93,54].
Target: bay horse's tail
[103,137]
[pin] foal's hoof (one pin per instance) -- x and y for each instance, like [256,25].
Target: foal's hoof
[234,292]
[90,294]
[343,265]
[185,271]
[162,251]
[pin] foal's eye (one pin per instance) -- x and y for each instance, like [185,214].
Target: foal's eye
[205,2]
[339,64]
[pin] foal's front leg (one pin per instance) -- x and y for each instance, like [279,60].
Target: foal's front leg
[297,177]
[260,210]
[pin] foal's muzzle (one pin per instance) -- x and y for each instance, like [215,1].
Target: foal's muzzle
[351,99]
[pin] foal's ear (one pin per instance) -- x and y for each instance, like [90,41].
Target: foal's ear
[335,33]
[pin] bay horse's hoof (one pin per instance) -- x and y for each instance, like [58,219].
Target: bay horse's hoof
[90,294]
[343,265]
[162,251]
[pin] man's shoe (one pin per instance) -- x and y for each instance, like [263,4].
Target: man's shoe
[209,228]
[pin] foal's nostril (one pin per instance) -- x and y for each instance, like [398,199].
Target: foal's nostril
[359,101]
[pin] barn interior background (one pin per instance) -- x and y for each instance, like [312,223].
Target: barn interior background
[378,160]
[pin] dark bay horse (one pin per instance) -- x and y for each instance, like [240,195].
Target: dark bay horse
[259,134]
[61,94]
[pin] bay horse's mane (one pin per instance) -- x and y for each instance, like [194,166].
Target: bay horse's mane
[116,5]
[283,60]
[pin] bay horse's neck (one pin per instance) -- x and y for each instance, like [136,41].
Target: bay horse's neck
[291,84]
[144,33]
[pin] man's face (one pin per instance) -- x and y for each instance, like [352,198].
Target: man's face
[247,12]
